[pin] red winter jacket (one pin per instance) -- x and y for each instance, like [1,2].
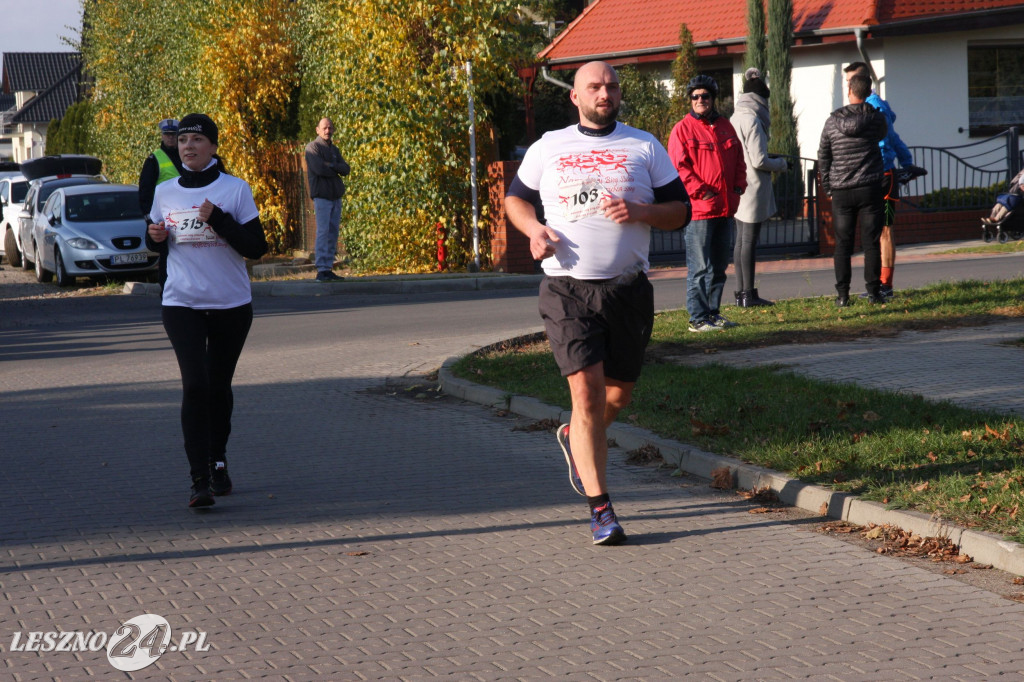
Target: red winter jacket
[709,154]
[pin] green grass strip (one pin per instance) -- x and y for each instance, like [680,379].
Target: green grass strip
[899,449]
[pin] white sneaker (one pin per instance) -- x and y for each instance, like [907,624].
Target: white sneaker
[704,326]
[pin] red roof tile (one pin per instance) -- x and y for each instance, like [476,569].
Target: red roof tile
[625,26]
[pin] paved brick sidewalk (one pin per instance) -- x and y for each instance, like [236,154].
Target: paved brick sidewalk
[977,367]
[381,537]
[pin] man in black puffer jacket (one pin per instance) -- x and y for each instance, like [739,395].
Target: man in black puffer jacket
[851,170]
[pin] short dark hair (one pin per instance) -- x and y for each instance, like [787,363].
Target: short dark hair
[860,86]
[860,67]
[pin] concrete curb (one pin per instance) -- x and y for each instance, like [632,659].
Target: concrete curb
[984,548]
[416,285]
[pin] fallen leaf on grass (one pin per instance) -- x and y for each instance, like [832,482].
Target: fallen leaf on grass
[966,498]
[704,429]
[999,435]
[921,488]
[870,416]
[932,456]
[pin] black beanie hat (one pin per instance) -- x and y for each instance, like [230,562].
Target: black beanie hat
[753,82]
[198,123]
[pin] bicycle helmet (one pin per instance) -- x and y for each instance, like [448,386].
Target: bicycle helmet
[702,82]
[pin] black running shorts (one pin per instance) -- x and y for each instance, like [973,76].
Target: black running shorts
[588,322]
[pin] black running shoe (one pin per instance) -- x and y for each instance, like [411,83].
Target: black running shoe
[220,482]
[201,496]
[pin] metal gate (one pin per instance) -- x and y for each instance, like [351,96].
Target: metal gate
[794,228]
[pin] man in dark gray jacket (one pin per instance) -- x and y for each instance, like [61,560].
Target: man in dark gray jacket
[851,170]
[324,168]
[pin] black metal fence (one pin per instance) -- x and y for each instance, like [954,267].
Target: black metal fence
[965,176]
[794,228]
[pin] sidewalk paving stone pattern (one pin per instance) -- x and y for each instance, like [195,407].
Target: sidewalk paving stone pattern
[373,537]
[974,367]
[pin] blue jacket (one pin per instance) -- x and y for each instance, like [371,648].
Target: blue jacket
[892,146]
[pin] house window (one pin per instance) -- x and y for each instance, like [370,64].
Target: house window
[995,88]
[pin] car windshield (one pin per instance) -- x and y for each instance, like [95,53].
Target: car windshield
[91,208]
[50,187]
[18,191]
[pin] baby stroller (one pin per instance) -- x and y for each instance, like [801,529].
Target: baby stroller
[1005,222]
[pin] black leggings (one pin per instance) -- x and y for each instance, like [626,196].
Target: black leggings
[207,344]
[743,254]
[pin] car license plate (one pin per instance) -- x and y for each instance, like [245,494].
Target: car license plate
[128,258]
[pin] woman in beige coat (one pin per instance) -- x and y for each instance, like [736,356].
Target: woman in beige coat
[751,121]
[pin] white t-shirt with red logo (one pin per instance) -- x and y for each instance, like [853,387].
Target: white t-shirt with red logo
[203,271]
[573,172]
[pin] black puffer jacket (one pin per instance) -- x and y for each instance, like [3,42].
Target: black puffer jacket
[849,155]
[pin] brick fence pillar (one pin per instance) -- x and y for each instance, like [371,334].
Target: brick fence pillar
[510,249]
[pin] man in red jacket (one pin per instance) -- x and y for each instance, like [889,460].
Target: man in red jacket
[709,158]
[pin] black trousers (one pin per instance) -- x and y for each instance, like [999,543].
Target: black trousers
[207,344]
[850,206]
[743,254]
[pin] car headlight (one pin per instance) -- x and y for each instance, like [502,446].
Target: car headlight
[82,243]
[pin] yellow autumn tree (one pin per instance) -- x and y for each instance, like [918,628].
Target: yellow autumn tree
[248,75]
[234,60]
[391,74]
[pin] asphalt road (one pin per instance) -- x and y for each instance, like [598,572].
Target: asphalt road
[378,535]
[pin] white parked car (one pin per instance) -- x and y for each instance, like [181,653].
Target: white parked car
[13,188]
[91,231]
[41,173]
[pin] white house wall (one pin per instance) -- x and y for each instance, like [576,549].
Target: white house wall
[924,78]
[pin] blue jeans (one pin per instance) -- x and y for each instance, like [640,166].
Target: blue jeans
[328,222]
[708,245]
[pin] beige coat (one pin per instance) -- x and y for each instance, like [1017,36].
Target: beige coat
[751,121]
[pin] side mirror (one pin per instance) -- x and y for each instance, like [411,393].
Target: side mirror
[52,219]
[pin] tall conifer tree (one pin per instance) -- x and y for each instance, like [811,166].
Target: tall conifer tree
[755,55]
[780,66]
[684,68]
